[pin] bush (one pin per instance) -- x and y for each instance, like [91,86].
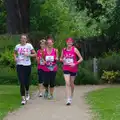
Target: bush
[6,58]
[86,77]
[110,76]
[109,63]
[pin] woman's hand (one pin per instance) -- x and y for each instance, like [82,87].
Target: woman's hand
[27,54]
[72,64]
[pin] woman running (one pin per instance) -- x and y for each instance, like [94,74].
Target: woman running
[41,65]
[51,57]
[70,67]
[22,54]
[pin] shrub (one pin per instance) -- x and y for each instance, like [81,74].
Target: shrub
[6,58]
[109,63]
[110,53]
[110,76]
[85,76]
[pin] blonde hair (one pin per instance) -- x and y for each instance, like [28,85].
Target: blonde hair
[42,41]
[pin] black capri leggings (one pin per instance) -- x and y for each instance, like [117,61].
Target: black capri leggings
[40,76]
[49,79]
[23,73]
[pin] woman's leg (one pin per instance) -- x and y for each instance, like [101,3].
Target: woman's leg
[52,82]
[27,72]
[72,79]
[41,79]
[20,74]
[68,88]
[46,83]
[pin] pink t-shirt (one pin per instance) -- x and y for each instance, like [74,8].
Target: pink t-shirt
[69,56]
[41,64]
[51,64]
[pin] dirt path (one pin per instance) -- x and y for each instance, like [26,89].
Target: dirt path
[40,109]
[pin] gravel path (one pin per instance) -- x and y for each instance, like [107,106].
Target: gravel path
[40,109]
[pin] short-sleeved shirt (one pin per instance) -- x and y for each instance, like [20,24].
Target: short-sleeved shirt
[21,50]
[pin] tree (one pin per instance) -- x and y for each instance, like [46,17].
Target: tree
[2,17]
[17,16]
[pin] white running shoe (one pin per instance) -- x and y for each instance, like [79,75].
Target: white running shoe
[40,95]
[69,101]
[27,97]
[23,102]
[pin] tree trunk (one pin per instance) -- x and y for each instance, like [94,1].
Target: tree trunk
[17,16]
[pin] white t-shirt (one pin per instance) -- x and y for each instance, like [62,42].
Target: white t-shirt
[21,50]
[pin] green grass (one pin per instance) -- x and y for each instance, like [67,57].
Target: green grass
[105,103]
[9,99]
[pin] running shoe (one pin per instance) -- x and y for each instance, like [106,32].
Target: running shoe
[50,97]
[46,94]
[23,102]
[69,101]
[40,95]
[27,97]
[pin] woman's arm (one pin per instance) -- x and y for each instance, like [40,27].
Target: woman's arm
[15,55]
[33,53]
[61,57]
[57,54]
[79,56]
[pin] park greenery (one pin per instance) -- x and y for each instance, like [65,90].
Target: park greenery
[61,19]
[80,19]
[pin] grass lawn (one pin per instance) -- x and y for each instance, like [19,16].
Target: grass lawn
[9,99]
[105,103]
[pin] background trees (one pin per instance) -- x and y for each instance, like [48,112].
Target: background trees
[17,16]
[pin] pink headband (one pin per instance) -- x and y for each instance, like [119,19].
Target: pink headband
[69,40]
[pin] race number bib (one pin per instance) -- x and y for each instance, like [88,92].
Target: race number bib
[41,62]
[49,58]
[21,58]
[68,60]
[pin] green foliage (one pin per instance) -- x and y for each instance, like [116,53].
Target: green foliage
[99,10]
[110,53]
[109,63]
[60,18]
[114,27]
[86,76]
[6,58]
[8,41]
[110,76]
